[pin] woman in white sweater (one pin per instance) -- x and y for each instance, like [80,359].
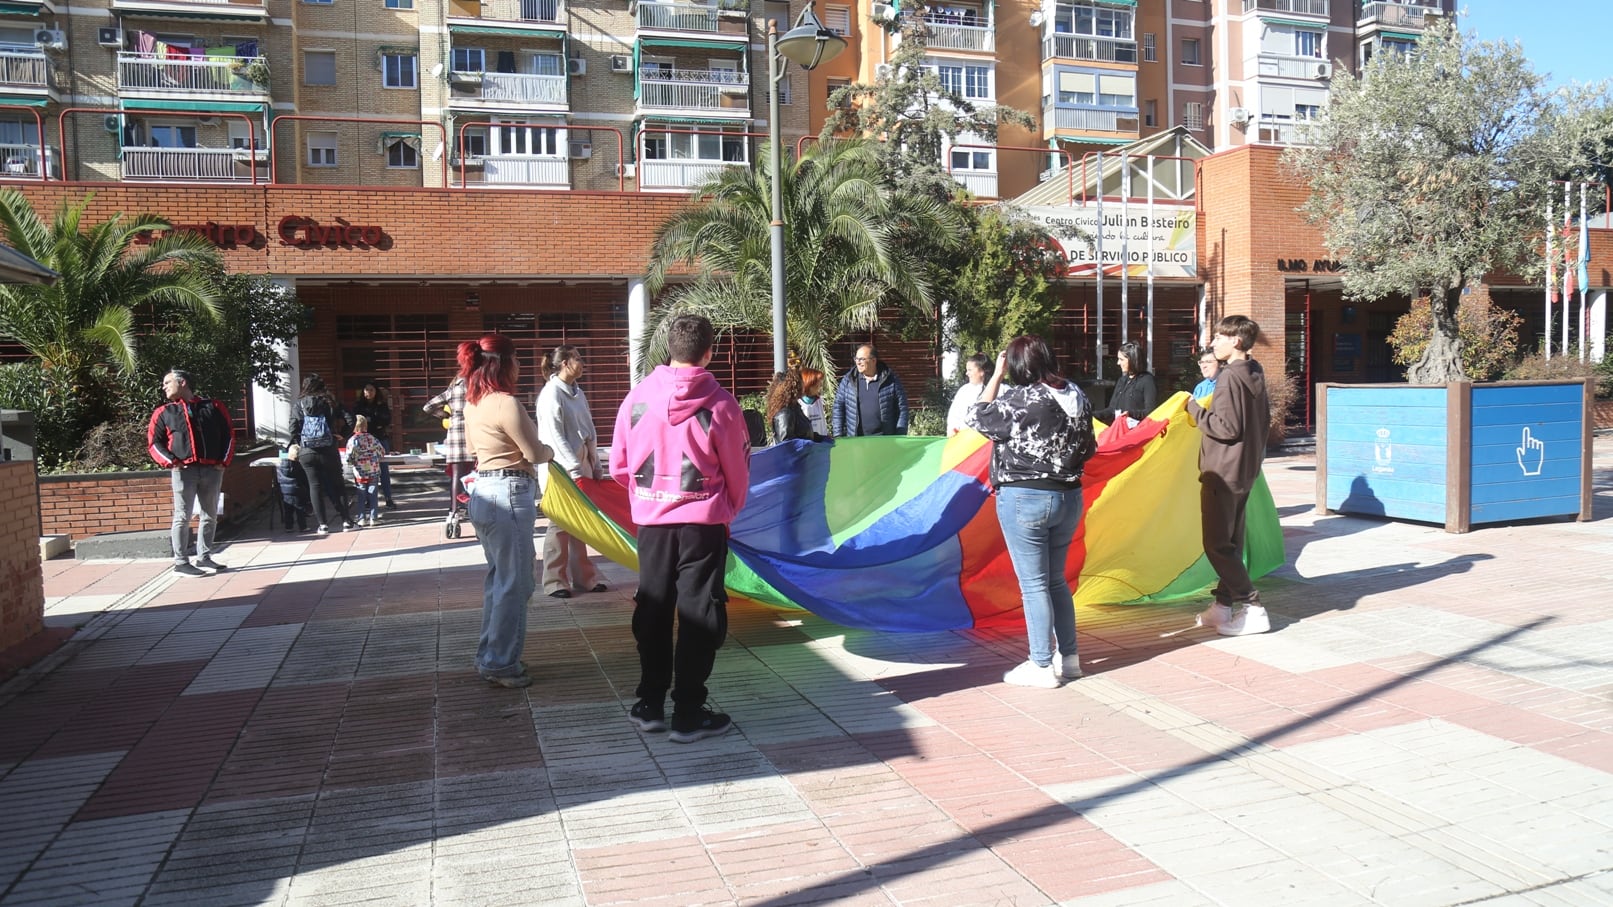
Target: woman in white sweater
[566,426]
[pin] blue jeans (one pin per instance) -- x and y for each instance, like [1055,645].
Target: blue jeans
[192,485]
[366,499]
[1038,526]
[504,512]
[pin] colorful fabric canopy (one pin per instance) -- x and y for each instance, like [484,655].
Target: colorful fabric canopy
[901,533]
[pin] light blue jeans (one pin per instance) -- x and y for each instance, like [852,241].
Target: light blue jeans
[504,512]
[1038,526]
[193,484]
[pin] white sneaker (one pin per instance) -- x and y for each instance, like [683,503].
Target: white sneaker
[1069,666]
[1247,621]
[1214,617]
[1031,674]
[323,529]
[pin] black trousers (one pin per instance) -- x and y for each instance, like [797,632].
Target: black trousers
[1222,513]
[323,466]
[680,573]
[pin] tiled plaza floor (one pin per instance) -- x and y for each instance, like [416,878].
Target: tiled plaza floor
[1430,723]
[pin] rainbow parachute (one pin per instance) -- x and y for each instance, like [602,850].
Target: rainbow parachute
[901,534]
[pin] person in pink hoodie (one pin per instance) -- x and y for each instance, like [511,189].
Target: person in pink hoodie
[682,451]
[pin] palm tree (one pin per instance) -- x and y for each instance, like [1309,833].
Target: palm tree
[846,251]
[87,317]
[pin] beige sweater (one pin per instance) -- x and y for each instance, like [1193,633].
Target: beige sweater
[500,435]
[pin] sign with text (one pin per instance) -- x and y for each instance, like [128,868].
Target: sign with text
[1161,241]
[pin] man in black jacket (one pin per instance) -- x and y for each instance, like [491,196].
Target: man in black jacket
[193,437]
[870,399]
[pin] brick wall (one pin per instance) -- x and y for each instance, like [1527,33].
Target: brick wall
[22,581]
[92,504]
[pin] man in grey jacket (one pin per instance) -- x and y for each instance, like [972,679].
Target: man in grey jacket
[565,424]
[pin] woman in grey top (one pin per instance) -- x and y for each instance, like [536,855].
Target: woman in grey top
[565,424]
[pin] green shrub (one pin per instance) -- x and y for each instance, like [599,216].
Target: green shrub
[1537,367]
[1489,336]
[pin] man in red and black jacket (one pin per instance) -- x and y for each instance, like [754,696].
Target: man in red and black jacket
[194,438]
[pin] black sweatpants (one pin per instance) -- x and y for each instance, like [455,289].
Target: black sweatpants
[1222,513]
[323,466]
[680,573]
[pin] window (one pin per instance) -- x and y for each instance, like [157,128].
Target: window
[834,85]
[977,81]
[400,4]
[399,71]
[319,67]
[167,135]
[1097,89]
[1150,52]
[548,64]
[240,132]
[1150,113]
[321,149]
[318,2]
[525,138]
[475,142]
[838,19]
[1190,52]
[470,59]
[971,159]
[1092,21]
[1308,44]
[1193,115]
[951,78]
[400,155]
[1307,111]
[702,145]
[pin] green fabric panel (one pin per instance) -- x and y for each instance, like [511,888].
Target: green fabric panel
[692,42]
[867,481]
[24,101]
[1298,23]
[695,121]
[1403,36]
[1129,3]
[1091,140]
[19,9]
[527,31]
[200,106]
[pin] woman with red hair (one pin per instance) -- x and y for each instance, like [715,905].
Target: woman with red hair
[503,504]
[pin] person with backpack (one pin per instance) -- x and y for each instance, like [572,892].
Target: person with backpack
[316,426]
[192,437]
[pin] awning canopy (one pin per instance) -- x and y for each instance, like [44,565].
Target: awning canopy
[527,31]
[1403,36]
[16,267]
[1296,23]
[696,43]
[20,9]
[199,106]
[26,100]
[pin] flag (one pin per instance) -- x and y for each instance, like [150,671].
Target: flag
[1569,287]
[1551,261]
[1584,254]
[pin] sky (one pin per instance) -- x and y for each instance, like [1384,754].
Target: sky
[1564,39]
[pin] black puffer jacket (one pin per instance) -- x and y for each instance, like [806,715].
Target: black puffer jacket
[1135,395]
[1041,433]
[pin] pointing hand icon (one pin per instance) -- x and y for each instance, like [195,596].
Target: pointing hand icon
[1532,453]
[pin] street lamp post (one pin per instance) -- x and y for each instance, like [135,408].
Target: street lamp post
[806,44]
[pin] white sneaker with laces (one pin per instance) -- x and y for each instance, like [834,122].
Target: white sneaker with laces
[1031,674]
[1069,666]
[1214,617]
[1247,621]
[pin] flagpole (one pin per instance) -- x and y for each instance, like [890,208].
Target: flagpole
[1567,297]
[1551,271]
[1584,254]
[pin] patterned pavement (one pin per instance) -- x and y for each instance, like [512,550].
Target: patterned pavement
[1430,723]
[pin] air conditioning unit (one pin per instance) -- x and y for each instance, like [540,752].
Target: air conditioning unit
[112,122]
[882,12]
[53,38]
[883,71]
[577,66]
[621,63]
[1323,70]
[580,151]
[1239,116]
[627,170]
[109,36]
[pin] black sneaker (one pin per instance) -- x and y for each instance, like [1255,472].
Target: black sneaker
[699,725]
[210,565]
[648,716]
[189,570]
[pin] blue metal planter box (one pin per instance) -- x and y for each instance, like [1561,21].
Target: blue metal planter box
[1460,454]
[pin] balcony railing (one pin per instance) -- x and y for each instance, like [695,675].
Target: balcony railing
[522,10]
[526,170]
[678,16]
[24,68]
[149,72]
[22,162]
[694,89]
[680,174]
[1397,15]
[1306,7]
[519,88]
[202,164]
[1294,67]
[1082,47]
[1283,132]
[1082,120]
[982,183]
[948,34]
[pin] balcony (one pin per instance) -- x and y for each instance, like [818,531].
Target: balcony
[689,17]
[980,183]
[212,165]
[953,32]
[545,12]
[527,171]
[23,67]
[1284,67]
[1303,7]
[1079,119]
[1397,15]
[1281,131]
[710,90]
[1085,47]
[507,89]
[680,175]
[21,162]
[187,75]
